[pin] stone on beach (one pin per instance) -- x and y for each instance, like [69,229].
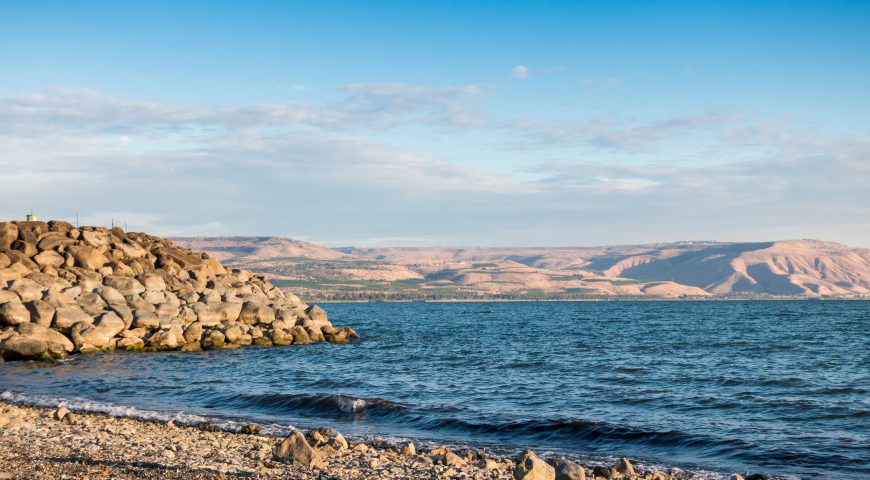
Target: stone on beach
[338,442]
[531,467]
[567,470]
[444,456]
[624,467]
[409,450]
[62,414]
[251,429]
[604,472]
[296,450]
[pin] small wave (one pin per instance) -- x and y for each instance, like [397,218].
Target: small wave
[849,389]
[782,382]
[632,369]
[585,432]
[333,404]
[85,405]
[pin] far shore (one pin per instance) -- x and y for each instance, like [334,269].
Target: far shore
[323,301]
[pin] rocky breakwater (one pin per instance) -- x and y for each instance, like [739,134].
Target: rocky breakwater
[66,290]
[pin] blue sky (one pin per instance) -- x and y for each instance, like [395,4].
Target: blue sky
[460,123]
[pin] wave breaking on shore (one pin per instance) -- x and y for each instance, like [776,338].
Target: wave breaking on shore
[345,404]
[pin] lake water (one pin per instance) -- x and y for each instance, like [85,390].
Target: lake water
[773,387]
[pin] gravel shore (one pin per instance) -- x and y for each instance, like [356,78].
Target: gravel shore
[43,443]
[34,444]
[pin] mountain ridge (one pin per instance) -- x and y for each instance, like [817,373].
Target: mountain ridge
[683,269]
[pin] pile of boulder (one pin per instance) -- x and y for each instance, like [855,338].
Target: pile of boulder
[65,290]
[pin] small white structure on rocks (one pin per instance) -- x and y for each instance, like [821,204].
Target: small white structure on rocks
[31,217]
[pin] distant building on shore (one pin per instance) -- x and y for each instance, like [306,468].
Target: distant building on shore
[31,217]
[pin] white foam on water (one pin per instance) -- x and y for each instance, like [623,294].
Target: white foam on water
[85,405]
[351,405]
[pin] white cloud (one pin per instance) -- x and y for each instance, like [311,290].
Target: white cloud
[364,105]
[174,169]
[607,82]
[329,170]
[520,71]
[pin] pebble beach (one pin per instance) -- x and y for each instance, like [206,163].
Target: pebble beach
[46,443]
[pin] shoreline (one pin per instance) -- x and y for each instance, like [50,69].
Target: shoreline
[325,301]
[41,442]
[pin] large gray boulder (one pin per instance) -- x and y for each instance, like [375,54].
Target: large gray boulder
[8,234]
[146,320]
[280,337]
[53,240]
[14,313]
[48,335]
[60,299]
[23,347]
[300,335]
[66,317]
[49,258]
[41,312]
[193,332]
[15,271]
[99,335]
[154,282]
[233,334]
[138,304]
[125,285]
[27,248]
[164,340]
[49,282]
[317,315]
[92,303]
[95,238]
[7,296]
[88,257]
[214,314]
[253,313]
[111,296]
[26,289]
[130,250]
[213,340]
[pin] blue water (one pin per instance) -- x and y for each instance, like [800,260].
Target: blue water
[773,387]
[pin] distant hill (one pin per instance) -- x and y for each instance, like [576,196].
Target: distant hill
[247,249]
[807,268]
[792,267]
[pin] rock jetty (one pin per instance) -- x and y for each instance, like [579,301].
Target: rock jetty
[70,290]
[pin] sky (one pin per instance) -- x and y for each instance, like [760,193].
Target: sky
[460,123]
